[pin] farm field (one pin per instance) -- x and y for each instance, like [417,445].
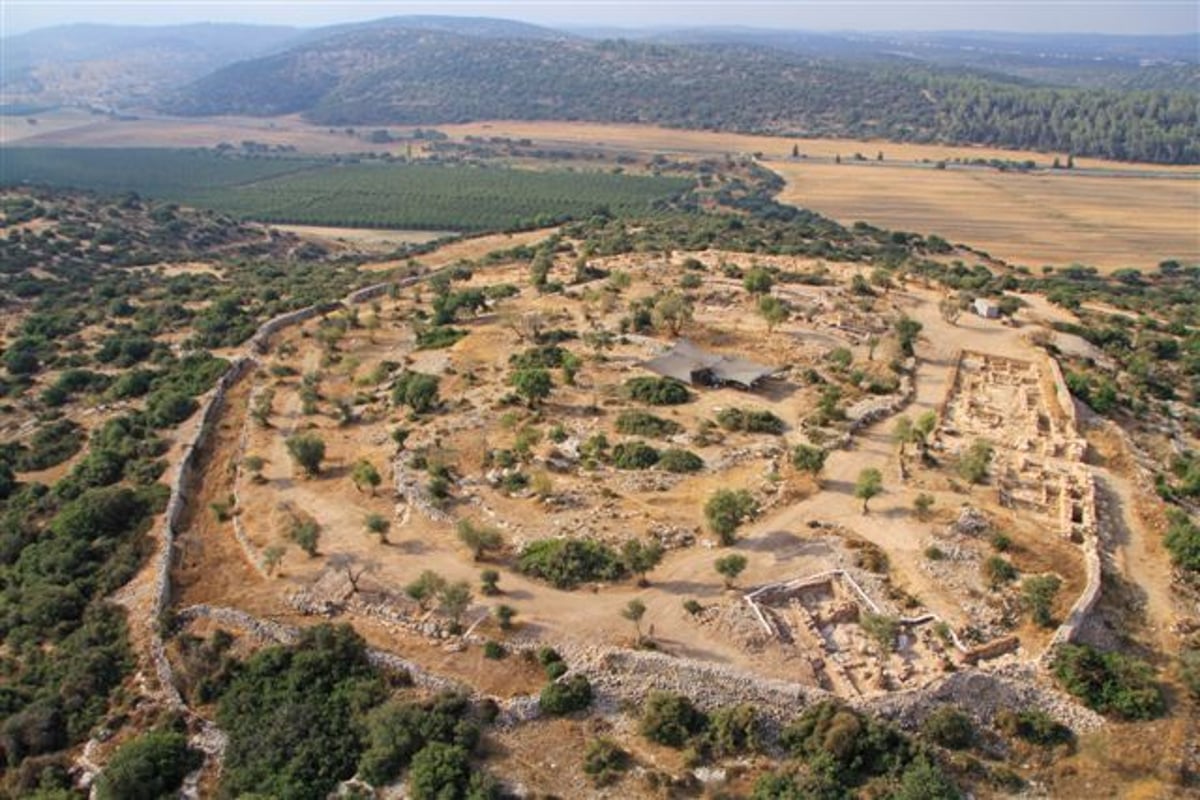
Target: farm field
[1104,218]
[1031,219]
[365,195]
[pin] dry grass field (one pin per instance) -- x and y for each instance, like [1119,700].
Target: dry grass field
[1103,221]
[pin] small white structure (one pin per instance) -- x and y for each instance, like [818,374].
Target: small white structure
[986,308]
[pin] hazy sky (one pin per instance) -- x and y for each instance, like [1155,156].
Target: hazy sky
[1095,16]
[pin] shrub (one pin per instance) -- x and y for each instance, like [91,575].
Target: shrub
[998,571]
[1183,542]
[543,357]
[146,768]
[1033,725]
[1111,683]
[681,461]
[416,390]
[671,719]
[882,628]
[634,455]
[566,563]
[494,650]
[439,337]
[726,509]
[733,730]
[641,423]
[749,420]
[657,391]
[692,606]
[604,761]
[1189,670]
[1037,593]
[440,771]
[949,727]
[854,746]
[566,697]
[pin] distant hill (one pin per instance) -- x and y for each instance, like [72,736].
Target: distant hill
[114,66]
[394,74]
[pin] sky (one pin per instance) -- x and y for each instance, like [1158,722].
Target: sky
[1026,16]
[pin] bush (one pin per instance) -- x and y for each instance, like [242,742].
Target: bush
[1189,670]
[1037,593]
[641,423]
[671,719]
[657,391]
[416,390]
[997,572]
[604,760]
[749,420]
[494,650]
[680,461]
[1111,683]
[807,458]
[290,716]
[147,768]
[949,727]
[438,338]
[565,563]
[634,455]
[733,730]
[1183,542]
[1034,726]
[854,745]
[51,445]
[566,697]
[443,772]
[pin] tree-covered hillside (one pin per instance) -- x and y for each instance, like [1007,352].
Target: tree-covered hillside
[401,75]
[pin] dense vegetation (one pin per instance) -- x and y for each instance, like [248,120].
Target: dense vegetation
[412,76]
[366,194]
[83,330]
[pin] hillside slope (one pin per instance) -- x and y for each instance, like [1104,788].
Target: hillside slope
[402,75]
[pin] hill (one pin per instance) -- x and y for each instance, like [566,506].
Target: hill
[404,75]
[114,65]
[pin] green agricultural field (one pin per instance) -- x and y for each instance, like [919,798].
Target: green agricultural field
[325,192]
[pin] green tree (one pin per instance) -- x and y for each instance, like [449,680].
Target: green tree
[308,451]
[672,311]
[306,533]
[364,473]
[532,384]
[378,525]
[726,509]
[973,465]
[868,485]
[425,588]
[453,601]
[758,281]
[478,539]
[504,614]
[773,311]
[489,581]
[633,611]
[807,458]
[641,558]
[416,390]
[907,331]
[730,567]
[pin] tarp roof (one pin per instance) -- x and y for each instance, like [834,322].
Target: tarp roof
[686,362]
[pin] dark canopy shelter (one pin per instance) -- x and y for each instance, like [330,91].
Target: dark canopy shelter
[687,363]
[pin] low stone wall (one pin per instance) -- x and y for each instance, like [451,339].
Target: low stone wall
[176,501]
